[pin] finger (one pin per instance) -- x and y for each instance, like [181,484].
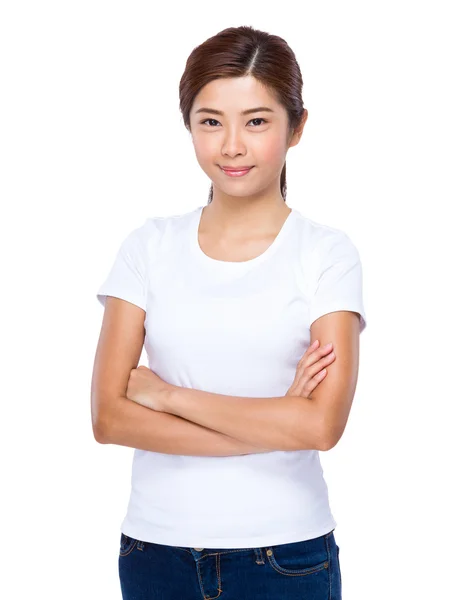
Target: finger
[299,372]
[316,367]
[317,355]
[318,378]
[313,364]
[306,384]
[314,352]
[310,358]
[313,347]
[314,382]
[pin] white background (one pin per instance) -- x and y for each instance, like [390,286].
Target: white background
[92,143]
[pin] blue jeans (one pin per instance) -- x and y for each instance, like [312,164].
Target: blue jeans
[309,570]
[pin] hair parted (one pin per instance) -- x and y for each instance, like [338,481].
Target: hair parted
[238,52]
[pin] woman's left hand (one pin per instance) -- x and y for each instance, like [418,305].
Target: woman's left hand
[147,389]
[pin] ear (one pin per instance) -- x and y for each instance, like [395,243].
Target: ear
[297,134]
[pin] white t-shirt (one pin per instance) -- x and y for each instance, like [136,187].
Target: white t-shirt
[235,328]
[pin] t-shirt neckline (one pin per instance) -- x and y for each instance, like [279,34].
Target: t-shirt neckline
[225,264]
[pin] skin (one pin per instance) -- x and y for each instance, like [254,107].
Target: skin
[251,208]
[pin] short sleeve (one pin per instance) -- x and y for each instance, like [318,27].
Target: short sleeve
[127,276]
[338,281]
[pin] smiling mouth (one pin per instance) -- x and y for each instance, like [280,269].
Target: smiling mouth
[236,172]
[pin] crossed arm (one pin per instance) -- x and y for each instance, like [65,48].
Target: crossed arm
[281,423]
[264,424]
[287,422]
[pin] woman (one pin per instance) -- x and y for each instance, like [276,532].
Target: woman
[228,420]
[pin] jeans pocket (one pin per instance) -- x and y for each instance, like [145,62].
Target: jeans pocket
[127,544]
[297,558]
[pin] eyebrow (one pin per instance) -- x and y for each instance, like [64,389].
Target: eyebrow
[244,112]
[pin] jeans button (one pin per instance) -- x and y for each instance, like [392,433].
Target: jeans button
[199,549]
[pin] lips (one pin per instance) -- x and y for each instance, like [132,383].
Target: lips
[237,169]
[242,172]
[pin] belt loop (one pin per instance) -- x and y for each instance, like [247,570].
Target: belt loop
[259,556]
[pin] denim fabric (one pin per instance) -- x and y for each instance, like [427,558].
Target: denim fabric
[307,570]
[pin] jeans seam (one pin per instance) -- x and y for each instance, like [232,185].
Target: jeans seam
[330,565]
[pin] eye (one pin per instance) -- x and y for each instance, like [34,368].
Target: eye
[255,119]
[205,121]
[258,119]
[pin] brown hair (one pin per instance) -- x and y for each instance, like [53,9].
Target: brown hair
[242,51]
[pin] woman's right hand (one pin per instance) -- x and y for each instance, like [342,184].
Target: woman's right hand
[311,369]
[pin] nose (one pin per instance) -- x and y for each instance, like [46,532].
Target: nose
[233,143]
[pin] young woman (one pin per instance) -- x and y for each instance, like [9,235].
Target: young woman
[228,419]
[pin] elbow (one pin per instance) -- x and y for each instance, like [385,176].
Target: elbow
[329,439]
[100,431]
[99,437]
[326,444]
[99,434]
[101,419]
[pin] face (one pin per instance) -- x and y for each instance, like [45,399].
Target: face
[258,139]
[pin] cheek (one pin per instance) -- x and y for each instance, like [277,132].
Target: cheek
[271,151]
[204,148]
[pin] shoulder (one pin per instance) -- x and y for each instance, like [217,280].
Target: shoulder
[154,233]
[323,243]
[319,235]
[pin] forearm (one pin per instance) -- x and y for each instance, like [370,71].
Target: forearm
[280,423]
[139,427]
